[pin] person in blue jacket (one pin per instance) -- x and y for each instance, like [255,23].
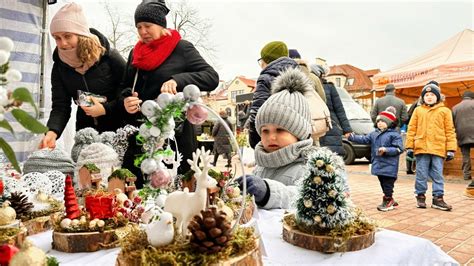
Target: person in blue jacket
[386,147]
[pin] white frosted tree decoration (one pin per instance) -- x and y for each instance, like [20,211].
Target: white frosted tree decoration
[322,203]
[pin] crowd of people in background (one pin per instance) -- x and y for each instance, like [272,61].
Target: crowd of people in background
[278,119]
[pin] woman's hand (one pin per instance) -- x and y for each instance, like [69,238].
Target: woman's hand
[95,110]
[169,86]
[132,103]
[49,140]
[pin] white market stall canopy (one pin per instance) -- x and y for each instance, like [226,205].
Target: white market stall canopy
[451,64]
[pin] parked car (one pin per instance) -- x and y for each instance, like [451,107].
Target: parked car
[361,124]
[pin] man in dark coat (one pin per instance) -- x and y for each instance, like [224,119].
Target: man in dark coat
[463,116]
[222,139]
[274,59]
[340,123]
[390,100]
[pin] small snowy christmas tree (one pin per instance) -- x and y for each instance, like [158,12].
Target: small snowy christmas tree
[322,204]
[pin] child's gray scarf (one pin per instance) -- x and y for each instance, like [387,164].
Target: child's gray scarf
[282,156]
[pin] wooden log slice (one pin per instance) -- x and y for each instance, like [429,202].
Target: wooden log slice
[251,258]
[83,242]
[326,244]
[17,239]
[38,225]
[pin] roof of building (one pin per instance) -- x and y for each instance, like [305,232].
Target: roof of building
[361,79]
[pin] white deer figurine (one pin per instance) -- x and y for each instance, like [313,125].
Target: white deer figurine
[176,163]
[184,204]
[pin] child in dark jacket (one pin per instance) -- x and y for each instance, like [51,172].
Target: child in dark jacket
[386,147]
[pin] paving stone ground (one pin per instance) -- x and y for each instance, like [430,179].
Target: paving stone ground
[452,231]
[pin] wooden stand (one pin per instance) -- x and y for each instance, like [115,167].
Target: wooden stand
[251,258]
[18,238]
[83,242]
[326,244]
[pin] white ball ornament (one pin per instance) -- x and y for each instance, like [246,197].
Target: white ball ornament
[65,223]
[155,131]
[308,203]
[13,75]
[179,97]
[4,55]
[164,99]
[100,223]
[191,93]
[149,166]
[75,223]
[144,131]
[6,44]
[149,108]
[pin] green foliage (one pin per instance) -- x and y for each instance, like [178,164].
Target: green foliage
[29,122]
[92,167]
[149,192]
[52,261]
[23,95]
[10,154]
[122,174]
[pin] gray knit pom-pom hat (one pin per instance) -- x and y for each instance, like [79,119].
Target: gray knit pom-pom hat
[47,160]
[287,107]
[83,138]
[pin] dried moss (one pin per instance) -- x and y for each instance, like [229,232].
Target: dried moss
[92,167]
[360,226]
[121,174]
[136,249]
[7,233]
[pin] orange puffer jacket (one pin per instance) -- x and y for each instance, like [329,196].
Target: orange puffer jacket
[431,131]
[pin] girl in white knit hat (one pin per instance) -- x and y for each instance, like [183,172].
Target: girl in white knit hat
[83,61]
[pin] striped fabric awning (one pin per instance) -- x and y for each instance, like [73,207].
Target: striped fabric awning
[21,21]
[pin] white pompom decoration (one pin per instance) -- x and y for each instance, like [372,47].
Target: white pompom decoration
[164,99]
[191,92]
[4,55]
[6,44]
[144,131]
[13,75]
[149,166]
[149,108]
[155,131]
[179,97]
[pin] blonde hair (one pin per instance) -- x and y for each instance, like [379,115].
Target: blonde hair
[89,49]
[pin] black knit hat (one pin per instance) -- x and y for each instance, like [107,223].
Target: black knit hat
[431,87]
[153,11]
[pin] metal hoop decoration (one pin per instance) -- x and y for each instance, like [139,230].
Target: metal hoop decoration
[234,144]
[160,125]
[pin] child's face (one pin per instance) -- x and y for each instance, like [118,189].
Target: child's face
[381,125]
[429,98]
[275,137]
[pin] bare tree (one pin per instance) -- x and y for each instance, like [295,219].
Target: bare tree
[186,20]
[122,31]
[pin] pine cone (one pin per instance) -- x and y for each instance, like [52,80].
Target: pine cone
[210,231]
[19,202]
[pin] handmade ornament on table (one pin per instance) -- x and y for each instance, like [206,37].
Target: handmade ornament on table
[70,201]
[103,156]
[7,214]
[120,142]
[29,255]
[89,176]
[122,179]
[6,253]
[45,160]
[100,205]
[19,202]
[160,230]
[322,209]
[184,204]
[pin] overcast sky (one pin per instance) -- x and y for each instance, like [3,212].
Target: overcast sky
[366,34]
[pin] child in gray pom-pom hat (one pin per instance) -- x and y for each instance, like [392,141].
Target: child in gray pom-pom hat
[284,125]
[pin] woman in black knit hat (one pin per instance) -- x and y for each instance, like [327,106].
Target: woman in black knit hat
[161,62]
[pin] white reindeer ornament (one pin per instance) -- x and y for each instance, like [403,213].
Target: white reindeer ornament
[184,204]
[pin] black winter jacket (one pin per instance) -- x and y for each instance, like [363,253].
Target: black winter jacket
[186,66]
[340,123]
[103,78]
[263,91]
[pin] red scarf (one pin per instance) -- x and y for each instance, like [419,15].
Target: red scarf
[148,56]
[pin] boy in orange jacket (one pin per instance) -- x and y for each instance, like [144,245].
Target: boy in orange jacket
[431,138]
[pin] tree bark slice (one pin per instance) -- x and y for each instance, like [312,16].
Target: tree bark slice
[83,242]
[326,244]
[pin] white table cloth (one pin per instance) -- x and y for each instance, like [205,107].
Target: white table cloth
[390,248]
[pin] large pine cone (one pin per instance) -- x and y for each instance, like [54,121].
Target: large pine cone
[19,202]
[210,231]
